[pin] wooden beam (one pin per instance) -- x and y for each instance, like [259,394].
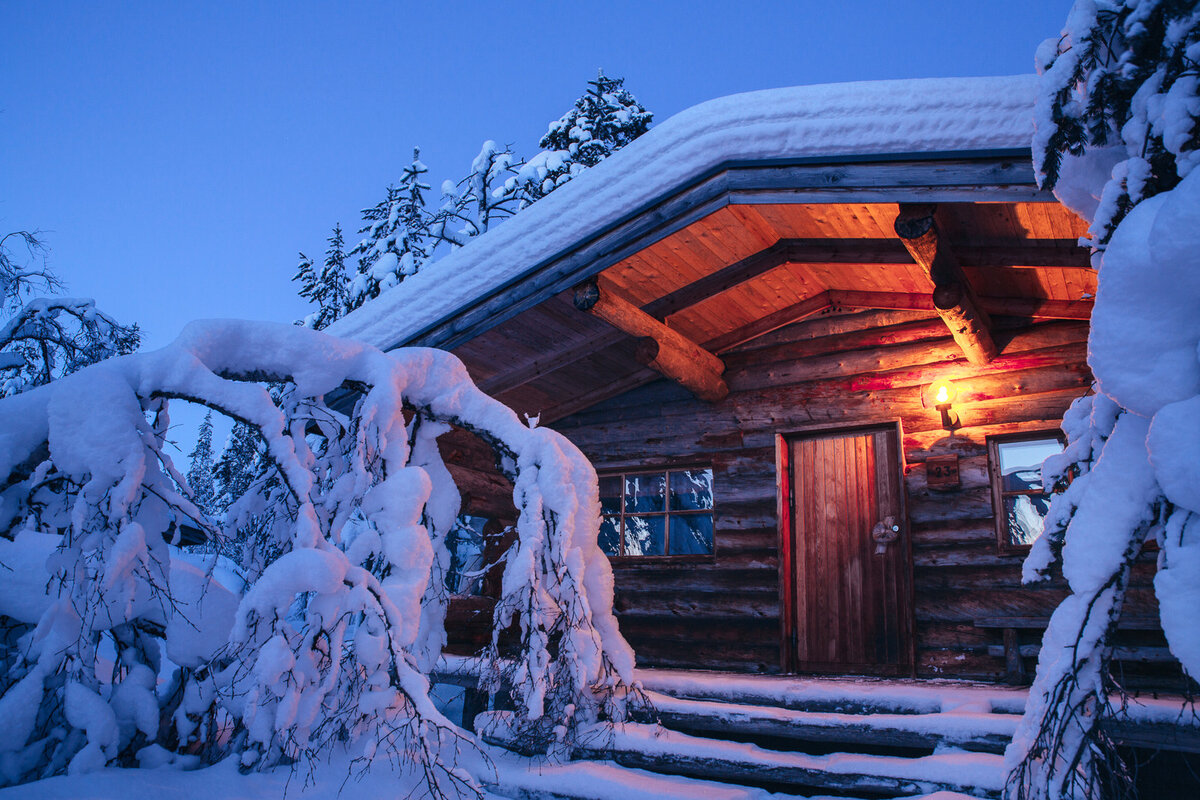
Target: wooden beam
[953,299]
[532,370]
[901,301]
[1031,307]
[1033,253]
[1037,308]
[773,321]
[723,279]
[620,385]
[673,354]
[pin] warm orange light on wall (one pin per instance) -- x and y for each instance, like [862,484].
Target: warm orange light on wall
[943,393]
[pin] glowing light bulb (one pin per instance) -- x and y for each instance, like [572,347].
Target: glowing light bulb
[943,394]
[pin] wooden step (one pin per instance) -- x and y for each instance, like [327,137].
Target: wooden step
[836,695]
[654,748]
[967,730]
[512,777]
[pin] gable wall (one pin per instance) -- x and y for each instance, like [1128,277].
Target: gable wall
[831,371]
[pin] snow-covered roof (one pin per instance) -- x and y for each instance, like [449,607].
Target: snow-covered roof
[842,121]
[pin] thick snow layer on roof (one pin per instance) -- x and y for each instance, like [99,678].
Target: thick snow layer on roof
[843,120]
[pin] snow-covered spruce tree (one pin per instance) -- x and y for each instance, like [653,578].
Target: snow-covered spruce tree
[1117,139]
[488,194]
[43,338]
[327,286]
[397,241]
[201,468]
[237,465]
[606,118]
[327,644]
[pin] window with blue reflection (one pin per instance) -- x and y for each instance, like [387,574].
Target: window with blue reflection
[1021,498]
[666,512]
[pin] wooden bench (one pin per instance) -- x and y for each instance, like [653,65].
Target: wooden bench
[1014,652]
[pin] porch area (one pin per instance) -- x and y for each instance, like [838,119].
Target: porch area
[846,736]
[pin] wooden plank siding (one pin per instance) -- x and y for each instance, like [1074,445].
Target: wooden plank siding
[840,370]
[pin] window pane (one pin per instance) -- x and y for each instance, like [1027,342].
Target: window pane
[645,536]
[691,489]
[610,535]
[1021,463]
[465,543]
[691,534]
[645,492]
[1024,514]
[610,494]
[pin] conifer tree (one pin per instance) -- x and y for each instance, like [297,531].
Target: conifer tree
[327,287]
[397,237]
[606,118]
[488,194]
[200,469]
[235,469]
[335,283]
[1121,75]
[306,274]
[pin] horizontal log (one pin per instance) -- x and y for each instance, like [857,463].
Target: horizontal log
[654,651]
[789,315]
[835,324]
[1039,623]
[1026,307]
[959,664]
[751,604]
[764,766]
[954,636]
[1172,738]
[1146,655]
[916,731]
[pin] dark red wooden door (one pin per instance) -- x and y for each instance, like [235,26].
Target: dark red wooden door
[851,611]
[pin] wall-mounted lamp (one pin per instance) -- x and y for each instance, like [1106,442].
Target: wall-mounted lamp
[943,394]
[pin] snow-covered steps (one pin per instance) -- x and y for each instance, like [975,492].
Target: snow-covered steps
[655,749]
[837,695]
[521,779]
[964,729]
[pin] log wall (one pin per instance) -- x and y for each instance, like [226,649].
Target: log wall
[724,612]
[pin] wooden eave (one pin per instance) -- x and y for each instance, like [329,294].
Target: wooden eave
[751,248]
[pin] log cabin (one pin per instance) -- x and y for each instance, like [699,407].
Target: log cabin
[816,342]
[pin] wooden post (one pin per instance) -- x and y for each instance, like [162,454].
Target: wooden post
[667,351]
[953,299]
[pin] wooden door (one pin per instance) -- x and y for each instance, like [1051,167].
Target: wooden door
[850,605]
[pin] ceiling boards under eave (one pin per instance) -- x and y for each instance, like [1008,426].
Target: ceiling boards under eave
[745,269]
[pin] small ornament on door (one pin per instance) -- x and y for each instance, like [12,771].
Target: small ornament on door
[884,533]
[941,472]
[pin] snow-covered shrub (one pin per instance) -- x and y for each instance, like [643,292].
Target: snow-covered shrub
[1117,139]
[343,615]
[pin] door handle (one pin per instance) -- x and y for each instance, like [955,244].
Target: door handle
[886,531]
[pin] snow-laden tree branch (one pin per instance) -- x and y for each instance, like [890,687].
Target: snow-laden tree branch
[46,337]
[1117,138]
[345,607]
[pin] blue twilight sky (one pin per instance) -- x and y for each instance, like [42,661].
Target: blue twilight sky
[178,155]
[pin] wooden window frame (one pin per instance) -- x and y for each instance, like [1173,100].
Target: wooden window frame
[1003,544]
[665,470]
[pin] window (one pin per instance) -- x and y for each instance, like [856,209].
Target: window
[1020,500]
[465,541]
[667,512]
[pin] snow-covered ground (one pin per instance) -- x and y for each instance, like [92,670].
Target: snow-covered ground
[511,776]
